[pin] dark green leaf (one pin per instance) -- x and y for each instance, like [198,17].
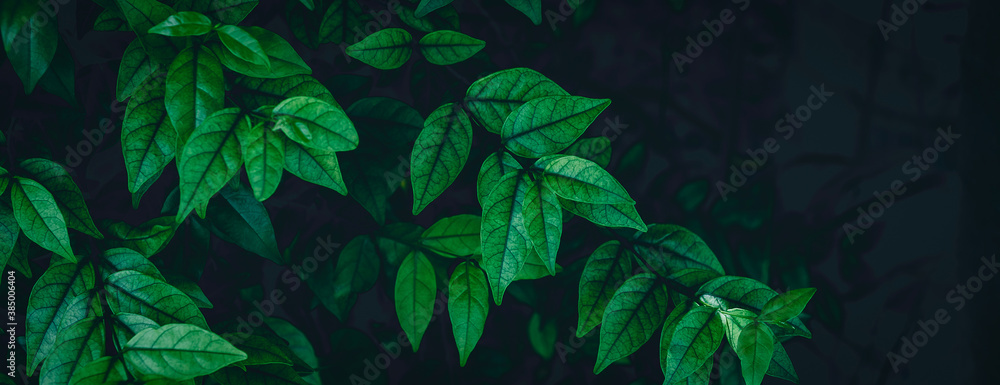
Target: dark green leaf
[179,352]
[60,78]
[542,337]
[183,24]
[271,374]
[549,124]
[30,45]
[597,150]
[241,219]
[439,154]
[210,158]
[446,47]
[270,92]
[120,259]
[493,97]
[468,305]
[148,238]
[530,8]
[110,20]
[142,15]
[226,12]
[504,238]
[454,236]
[39,216]
[386,49]
[342,21]
[670,248]
[358,265]
[692,194]
[781,365]
[534,268]
[428,6]
[638,307]
[104,370]
[134,70]
[606,270]
[195,90]
[415,290]
[9,231]
[192,290]
[149,141]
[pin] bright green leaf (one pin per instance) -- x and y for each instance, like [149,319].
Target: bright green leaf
[606,270]
[264,158]
[670,248]
[581,180]
[549,124]
[48,306]
[39,216]
[504,238]
[149,141]
[183,24]
[754,348]
[269,92]
[493,97]
[195,90]
[543,223]
[211,157]
[283,59]
[104,370]
[530,8]
[315,123]
[614,215]
[179,352]
[696,337]
[314,166]
[67,195]
[143,15]
[456,236]
[78,344]
[496,165]
[243,45]
[130,291]
[787,305]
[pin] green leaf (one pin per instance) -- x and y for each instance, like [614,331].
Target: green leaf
[701,376]
[210,159]
[732,291]
[121,259]
[493,97]
[271,374]
[581,180]
[445,18]
[670,248]
[67,195]
[134,73]
[428,6]
[754,348]
[549,124]
[269,92]
[314,166]
[77,345]
[638,307]
[130,291]
[468,305]
[415,291]
[496,165]
[192,290]
[9,231]
[504,238]
[315,123]
[787,305]
[148,238]
[616,215]
[534,268]
[23,250]
[386,49]
[298,342]
[692,194]
[597,150]
[243,45]
[127,325]
[148,139]
[280,55]
[225,12]
[439,154]
[264,158]
[358,265]
[669,327]
[455,236]
[104,370]
[542,337]
[183,24]
[446,47]
[689,278]
[38,215]
[4,175]
[48,306]
[696,337]
[30,45]
[386,121]
[179,352]
[543,223]
[530,8]
[110,20]
[241,219]
[195,90]
[143,15]
[263,349]
[60,78]
[339,22]
[606,270]
[781,365]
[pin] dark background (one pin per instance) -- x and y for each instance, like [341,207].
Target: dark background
[784,226]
